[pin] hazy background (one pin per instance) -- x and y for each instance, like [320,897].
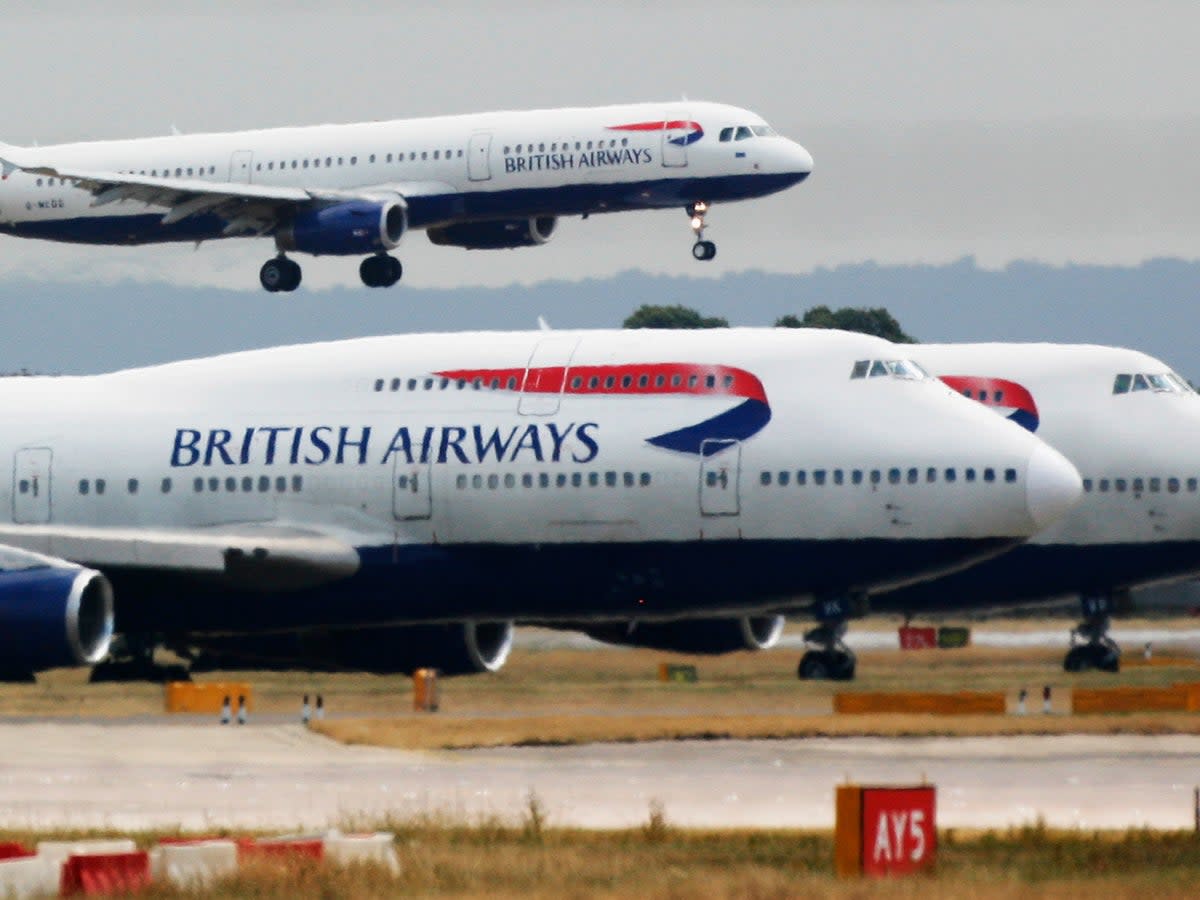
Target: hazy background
[1039,132]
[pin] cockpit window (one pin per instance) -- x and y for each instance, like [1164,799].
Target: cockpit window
[1160,382]
[880,368]
[727,134]
[763,130]
[743,133]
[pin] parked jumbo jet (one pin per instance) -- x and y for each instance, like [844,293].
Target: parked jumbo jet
[1131,426]
[394,502]
[483,181]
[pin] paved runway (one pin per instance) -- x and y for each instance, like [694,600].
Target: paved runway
[137,775]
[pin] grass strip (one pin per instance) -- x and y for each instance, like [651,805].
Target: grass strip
[435,732]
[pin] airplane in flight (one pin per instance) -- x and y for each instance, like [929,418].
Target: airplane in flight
[395,502]
[1130,425]
[483,181]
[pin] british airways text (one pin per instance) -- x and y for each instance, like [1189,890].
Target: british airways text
[361,445]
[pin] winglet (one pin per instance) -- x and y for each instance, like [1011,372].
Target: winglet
[543,325]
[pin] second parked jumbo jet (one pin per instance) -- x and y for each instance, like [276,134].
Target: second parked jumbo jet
[483,181]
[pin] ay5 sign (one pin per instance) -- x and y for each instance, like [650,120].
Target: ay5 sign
[885,830]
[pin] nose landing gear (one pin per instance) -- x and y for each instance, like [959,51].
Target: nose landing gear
[702,250]
[830,659]
[1097,650]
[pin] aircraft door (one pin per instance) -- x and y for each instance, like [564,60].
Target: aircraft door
[674,143]
[31,486]
[479,156]
[412,491]
[546,376]
[720,471]
[240,166]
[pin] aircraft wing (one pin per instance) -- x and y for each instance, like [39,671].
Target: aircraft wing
[246,208]
[261,557]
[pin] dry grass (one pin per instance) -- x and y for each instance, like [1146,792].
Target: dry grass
[441,858]
[431,733]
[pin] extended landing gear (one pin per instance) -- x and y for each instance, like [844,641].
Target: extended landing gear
[1098,650]
[135,662]
[380,270]
[279,274]
[702,250]
[830,659]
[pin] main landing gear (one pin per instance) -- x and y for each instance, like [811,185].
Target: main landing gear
[830,659]
[279,274]
[1098,650]
[283,274]
[380,270]
[702,250]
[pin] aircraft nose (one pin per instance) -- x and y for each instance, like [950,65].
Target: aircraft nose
[1052,486]
[803,160]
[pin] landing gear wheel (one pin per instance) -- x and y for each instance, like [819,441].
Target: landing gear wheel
[704,250]
[813,666]
[380,271]
[1076,660]
[279,274]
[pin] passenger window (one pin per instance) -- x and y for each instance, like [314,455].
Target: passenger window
[930,475]
[856,476]
[402,482]
[166,485]
[132,485]
[610,479]
[379,384]
[1120,484]
[838,476]
[628,479]
[84,486]
[231,484]
[951,475]
[912,476]
[643,380]
[510,480]
[710,381]
[1155,485]
[395,384]
[593,382]
[412,384]
[893,476]
[281,484]
[1010,475]
[1087,485]
[576,383]
[660,381]
[1173,485]
[626,381]
[1104,485]
[765,479]
[543,479]
[876,476]
[461,482]
[214,484]
[198,485]
[860,369]
[989,475]
[1191,485]
[593,479]
[493,482]
[969,474]
[801,478]
[476,481]
[576,479]
[247,484]
[264,483]
[644,479]
[1139,485]
[784,478]
[527,480]
[818,476]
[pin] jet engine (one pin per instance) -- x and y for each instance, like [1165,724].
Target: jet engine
[352,228]
[502,234]
[51,614]
[709,636]
[460,648]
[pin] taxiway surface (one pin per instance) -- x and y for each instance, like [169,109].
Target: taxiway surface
[136,775]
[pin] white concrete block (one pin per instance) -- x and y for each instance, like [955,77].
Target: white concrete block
[29,876]
[351,848]
[193,865]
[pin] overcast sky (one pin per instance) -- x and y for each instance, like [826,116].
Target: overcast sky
[1050,131]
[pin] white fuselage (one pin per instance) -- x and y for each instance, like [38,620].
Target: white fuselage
[448,169]
[534,474]
[1139,519]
